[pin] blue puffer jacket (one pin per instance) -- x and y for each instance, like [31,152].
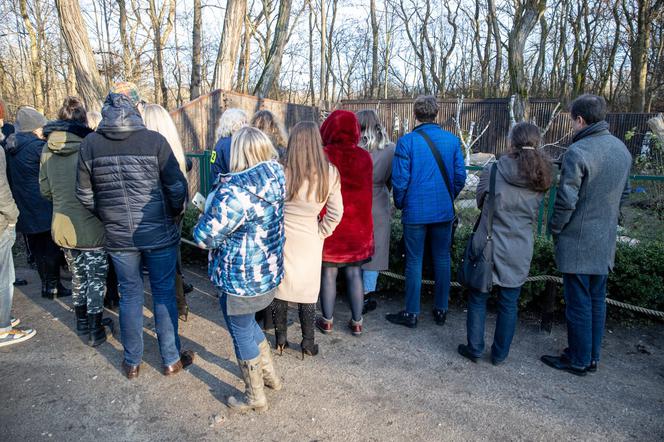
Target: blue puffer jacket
[243,226]
[419,189]
[23,155]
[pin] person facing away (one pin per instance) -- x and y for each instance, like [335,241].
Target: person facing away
[523,175]
[130,179]
[374,139]
[267,122]
[312,186]
[352,243]
[157,118]
[594,182]
[24,151]
[74,228]
[230,122]
[10,333]
[426,200]
[243,227]
[6,129]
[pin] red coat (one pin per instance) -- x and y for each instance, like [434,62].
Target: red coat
[352,240]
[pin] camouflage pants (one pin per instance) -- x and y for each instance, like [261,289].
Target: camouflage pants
[88,277]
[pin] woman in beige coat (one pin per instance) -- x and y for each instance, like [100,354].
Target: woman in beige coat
[312,186]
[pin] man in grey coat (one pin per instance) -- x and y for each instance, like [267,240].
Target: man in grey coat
[594,181]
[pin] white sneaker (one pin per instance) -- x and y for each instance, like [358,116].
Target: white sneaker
[16,335]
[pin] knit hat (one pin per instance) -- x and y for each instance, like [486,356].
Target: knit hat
[129,89]
[28,119]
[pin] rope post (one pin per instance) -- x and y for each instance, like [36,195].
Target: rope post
[546,323]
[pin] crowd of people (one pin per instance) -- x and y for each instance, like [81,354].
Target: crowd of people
[287,212]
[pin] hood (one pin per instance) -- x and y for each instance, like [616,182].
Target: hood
[18,140]
[265,180]
[591,129]
[63,143]
[509,170]
[341,127]
[120,119]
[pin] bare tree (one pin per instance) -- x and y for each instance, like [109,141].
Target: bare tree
[229,44]
[267,81]
[88,82]
[195,83]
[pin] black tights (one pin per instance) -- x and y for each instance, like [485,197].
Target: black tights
[328,290]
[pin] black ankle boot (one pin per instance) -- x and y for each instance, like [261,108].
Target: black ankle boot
[280,318]
[97,330]
[82,324]
[307,317]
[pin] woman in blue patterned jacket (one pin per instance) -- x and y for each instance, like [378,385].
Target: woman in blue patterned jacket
[243,227]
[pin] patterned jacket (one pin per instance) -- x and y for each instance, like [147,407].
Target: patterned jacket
[243,226]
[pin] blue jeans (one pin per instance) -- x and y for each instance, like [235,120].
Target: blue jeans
[585,311]
[508,299]
[245,332]
[7,239]
[440,236]
[161,269]
[369,280]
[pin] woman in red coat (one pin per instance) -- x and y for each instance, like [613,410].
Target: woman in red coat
[351,244]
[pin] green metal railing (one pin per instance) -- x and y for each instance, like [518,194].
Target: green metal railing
[204,174]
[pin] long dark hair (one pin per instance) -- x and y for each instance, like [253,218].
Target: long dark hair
[534,165]
[73,109]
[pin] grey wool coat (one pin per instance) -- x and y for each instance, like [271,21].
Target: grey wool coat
[381,209]
[515,213]
[593,183]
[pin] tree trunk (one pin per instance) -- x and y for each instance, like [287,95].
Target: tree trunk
[495,30]
[229,45]
[639,47]
[269,78]
[195,83]
[526,17]
[88,82]
[323,50]
[35,68]
[374,50]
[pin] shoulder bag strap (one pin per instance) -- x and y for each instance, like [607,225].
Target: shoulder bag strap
[441,166]
[492,197]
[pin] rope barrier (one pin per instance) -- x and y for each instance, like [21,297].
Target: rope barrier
[536,278]
[544,278]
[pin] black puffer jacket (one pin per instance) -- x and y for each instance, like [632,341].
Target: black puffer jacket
[129,177]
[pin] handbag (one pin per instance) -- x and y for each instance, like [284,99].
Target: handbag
[446,179]
[476,267]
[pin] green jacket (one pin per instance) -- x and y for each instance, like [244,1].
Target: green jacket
[8,209]
[73,226]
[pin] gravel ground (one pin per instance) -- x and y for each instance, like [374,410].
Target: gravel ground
[392,383]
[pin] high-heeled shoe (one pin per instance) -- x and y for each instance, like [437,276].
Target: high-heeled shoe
[281,346]
[308,348]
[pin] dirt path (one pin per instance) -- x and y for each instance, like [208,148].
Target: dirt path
[391,384]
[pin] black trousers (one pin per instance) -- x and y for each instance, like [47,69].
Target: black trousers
[48,258]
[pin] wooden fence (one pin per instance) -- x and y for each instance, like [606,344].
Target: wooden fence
[397,116]
[197,120]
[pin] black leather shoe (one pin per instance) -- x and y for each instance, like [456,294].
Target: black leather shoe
[20,282]
[187,288]
[561,363]
[439,316]
[403,318]
[592,368]
[464,351]
[370,303]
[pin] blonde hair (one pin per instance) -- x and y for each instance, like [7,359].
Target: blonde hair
[249,147]
[94,118]
[156,118]
[374,135]
[231,121]
[266,121]
[306,162]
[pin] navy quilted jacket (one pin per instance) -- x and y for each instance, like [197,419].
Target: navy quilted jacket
[129,177]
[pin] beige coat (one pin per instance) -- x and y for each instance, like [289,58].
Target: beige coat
[305,234]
